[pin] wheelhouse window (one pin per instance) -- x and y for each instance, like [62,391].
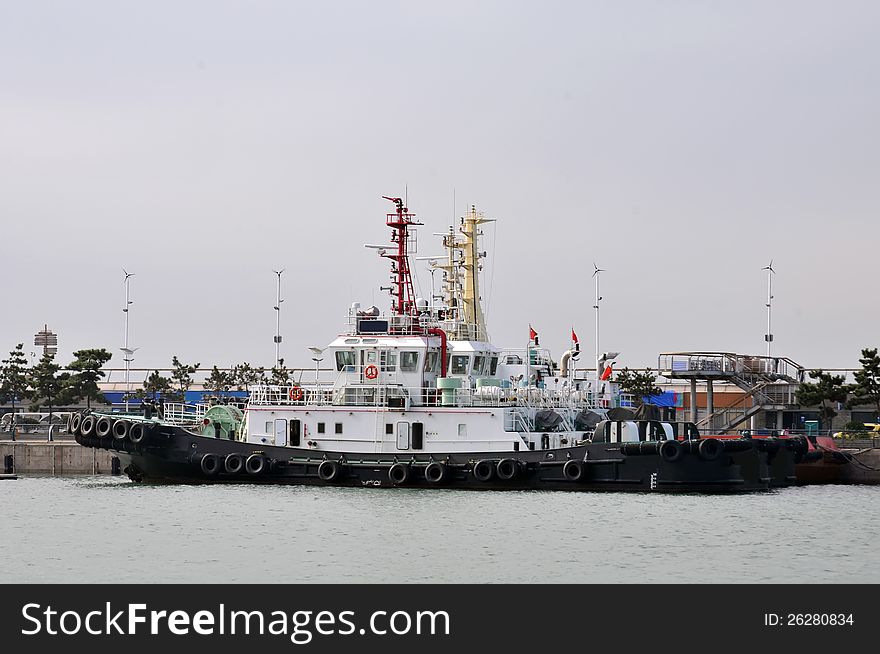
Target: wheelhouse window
[345,360]
[388,360]
[409,361]
[479,363]
[493,365]
[432,362]
[460,364]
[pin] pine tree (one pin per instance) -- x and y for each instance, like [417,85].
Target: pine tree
[218,382]
[83,384]
[155,388]
[182,375]
[827,389]
[49,387]
[14,380]
[642,385]
[866,390]
[280,374]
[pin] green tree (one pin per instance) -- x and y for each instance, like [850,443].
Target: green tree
[155,387]
[182,375]
[244,376]
[218,382]
[828,389]
[83,383]
[866,390]
[280,374]
[642,385]
[14,380]
[49,387]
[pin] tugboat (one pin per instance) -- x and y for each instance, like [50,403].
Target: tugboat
[421,398]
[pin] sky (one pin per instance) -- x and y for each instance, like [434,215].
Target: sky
[680,145]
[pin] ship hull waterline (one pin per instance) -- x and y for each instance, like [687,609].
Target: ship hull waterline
[176,455]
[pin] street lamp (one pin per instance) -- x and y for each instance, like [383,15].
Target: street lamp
[317,358]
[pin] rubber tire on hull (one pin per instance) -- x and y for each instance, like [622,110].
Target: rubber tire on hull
[139,432]
[710,449]
[507,469]
[75,422]
[210,464]
[233,463]
[671,451]
[484,470]
[328,471]
[255,464]
[121,428]
[435,473]
[398,474]
[573,470]
[87,427]
[103,427]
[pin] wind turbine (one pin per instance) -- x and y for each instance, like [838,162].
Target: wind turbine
[128,352]
[597,271]
[277,308]
[768,337]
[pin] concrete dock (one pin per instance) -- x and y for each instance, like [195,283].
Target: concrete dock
[54,458]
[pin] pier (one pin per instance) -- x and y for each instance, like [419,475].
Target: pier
[55,458]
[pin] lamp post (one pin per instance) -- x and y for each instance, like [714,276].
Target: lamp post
[127,352]
[768,337]
[317,358]
[597,271]
[277,308]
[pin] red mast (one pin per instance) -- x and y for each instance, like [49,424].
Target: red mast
[400,221]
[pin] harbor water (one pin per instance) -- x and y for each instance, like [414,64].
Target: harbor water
[107,529]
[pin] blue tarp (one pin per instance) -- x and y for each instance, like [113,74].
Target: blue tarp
[668,399]
[192,397]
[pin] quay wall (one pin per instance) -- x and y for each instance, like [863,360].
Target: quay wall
[56,458]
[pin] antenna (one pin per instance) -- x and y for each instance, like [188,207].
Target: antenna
[128,352]
[277,308]
[768,337]
[597,272]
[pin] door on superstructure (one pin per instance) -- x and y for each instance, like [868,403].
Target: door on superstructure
[281,432]
[402,435]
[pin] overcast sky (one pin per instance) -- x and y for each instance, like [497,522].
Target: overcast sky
[680,145]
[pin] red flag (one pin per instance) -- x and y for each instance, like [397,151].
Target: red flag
[574,337]
[532,333]
[606,374]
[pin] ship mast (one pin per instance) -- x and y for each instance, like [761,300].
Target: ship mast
[402,289]
[462,277]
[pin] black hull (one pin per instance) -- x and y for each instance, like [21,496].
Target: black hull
[175,455]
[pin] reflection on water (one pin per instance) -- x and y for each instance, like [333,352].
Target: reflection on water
[102,529]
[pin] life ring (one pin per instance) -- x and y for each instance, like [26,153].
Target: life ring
[296,394]
[371,372]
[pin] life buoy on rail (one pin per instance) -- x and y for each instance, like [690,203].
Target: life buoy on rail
[371,372]
[296,393]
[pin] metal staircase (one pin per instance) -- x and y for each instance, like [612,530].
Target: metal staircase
[768,383]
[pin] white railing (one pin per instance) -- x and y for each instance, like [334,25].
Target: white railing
[183,414]
[398,396]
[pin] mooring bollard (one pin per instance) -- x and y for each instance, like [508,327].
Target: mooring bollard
[8,464]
